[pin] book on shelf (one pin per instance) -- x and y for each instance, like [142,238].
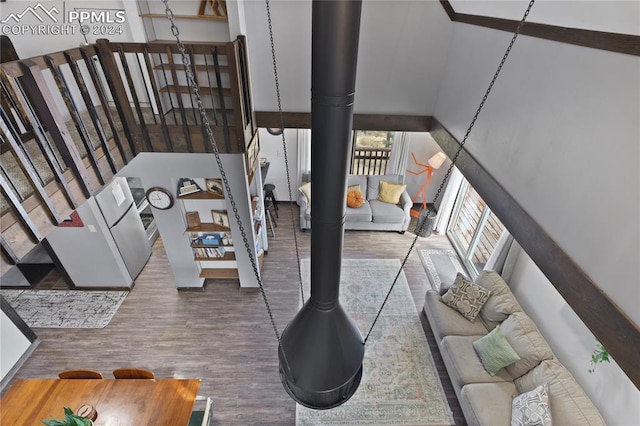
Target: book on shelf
[209,252]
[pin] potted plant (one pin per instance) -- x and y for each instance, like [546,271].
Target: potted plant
[70,419]
[600,354]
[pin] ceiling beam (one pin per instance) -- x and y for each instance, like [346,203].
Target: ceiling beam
[612,42]
[382,122]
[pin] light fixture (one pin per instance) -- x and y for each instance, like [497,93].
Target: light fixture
[437,160]
[434,163]
[321,351]
[275,131]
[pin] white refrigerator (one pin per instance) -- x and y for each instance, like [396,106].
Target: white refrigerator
[112,247]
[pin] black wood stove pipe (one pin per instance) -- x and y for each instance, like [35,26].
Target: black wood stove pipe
[321,350]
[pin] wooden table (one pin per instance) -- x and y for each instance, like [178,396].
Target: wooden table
[118,402]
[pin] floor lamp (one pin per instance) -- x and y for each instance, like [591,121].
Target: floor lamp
[434,163]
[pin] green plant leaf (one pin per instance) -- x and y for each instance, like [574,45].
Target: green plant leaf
[53,422]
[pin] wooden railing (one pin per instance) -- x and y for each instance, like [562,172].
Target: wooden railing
[70,120]
[370,161]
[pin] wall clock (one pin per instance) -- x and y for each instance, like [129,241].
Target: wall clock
[159,198]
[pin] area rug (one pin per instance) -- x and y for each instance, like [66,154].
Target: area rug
[441,266]
[65,309]
[400,384]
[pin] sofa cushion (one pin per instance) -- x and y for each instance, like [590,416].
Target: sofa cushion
[466,298]
[361,214]
[359,180]
[305,188]
[501,303]
[487,403]
[446,321]
[532,408]
[494,351]
[569,404]
[526,340]
[386,213]
[390,192]
[463,365]
[373,184]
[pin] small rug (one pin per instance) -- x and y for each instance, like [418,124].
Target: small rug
[400,384]
[65,309]
[441,266]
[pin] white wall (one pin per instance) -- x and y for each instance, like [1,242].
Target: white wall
[14,344]
[271,148]
[560,133]
[28,44]
[617,16]
[616,397]
[402,43]
[190,29]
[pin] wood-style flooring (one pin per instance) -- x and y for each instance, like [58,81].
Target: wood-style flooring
[222,335]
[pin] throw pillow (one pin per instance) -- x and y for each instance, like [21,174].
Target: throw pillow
[532,408]
[306,190]
[445,287]
[352,187]
[494,351]
[390,192]
[466,298]
[355,199]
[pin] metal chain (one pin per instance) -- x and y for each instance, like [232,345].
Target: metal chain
[284,146]
[207,126]
[454,159]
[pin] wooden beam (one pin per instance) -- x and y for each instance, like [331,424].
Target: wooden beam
[119,94]
[134,95]
[23,216]
[600,314]
[91,109]
[38,134]
[613,42]
[104,101]
[29,172]
[73,110]
[156,91]
[383,122]
[43,103]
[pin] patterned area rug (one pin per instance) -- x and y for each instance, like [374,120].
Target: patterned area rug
[400,385]
[65,309]
[441,266]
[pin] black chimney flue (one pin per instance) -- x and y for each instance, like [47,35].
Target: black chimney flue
[321,350]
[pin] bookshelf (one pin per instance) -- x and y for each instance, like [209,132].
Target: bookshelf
[210,227]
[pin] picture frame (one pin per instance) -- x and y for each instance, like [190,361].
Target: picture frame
[193,219]
[214,186]
[220,218]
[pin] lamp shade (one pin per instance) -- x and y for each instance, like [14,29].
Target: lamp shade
[437,160]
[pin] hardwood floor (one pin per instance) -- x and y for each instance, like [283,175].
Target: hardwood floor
[222,335]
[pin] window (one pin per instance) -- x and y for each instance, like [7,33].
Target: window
[474,229]
[371,151]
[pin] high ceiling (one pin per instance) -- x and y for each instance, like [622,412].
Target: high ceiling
[616,16]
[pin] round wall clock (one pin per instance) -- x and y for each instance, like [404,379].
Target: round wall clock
[159,198]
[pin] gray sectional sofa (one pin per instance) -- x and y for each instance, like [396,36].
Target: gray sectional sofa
[374,215]
[487,399]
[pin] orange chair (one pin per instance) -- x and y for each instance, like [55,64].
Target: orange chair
[80,374]
[133,373]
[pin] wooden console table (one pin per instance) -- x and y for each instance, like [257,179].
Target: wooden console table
[118,402]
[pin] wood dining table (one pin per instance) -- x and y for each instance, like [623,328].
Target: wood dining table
[121,402]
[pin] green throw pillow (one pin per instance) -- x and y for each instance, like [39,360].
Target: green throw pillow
[494,351]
